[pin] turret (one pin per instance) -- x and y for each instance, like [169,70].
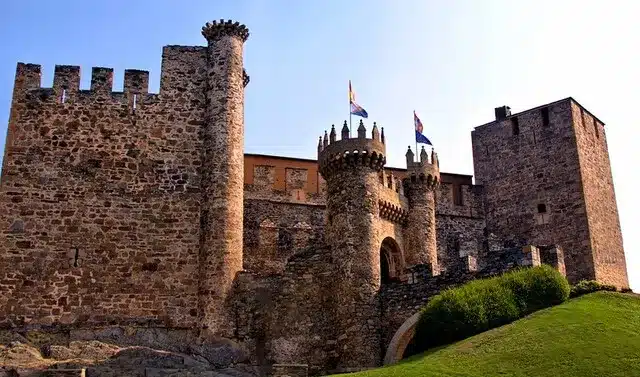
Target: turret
[423,178]
[352,169]
[222,171]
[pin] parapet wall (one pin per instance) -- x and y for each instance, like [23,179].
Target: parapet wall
[100,197]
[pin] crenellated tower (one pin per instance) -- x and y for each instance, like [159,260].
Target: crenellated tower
[423,178]
[221,242]
[351,167]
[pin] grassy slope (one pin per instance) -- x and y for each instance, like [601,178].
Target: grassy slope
[593,335]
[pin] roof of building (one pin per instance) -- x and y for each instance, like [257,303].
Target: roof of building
[548,104]
[298,159]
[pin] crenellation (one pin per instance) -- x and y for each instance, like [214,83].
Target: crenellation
[136,213]
[66,78]
[28,76]
[101,80]
[136,81]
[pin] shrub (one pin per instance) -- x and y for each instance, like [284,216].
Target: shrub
[536,288]
[481,305]
[588,286]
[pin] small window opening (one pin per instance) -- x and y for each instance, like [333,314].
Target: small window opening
[135,101]
[595,127]
[457,194]
[75,258]
[542,208]
[515,126]
[545,117]
[64,95]
[584,122]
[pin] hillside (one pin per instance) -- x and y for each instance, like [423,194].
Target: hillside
[593,335]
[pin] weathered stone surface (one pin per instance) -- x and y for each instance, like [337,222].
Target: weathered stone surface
[547,178]
[138,238]
[92,350]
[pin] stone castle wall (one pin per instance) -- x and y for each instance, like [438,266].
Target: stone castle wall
[280,217]
[531,172]
[101,200]
[136,209]
[601,207]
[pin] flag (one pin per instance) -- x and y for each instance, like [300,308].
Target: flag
[420,138]
[355,108]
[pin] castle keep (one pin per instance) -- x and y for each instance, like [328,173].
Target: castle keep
[141,211]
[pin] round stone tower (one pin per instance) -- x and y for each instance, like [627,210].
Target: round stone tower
[423,178]
[350,167]
[222,171]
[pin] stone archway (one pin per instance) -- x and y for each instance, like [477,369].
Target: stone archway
[391,261]
[401,340]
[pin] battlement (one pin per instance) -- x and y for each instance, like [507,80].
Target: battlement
[391,189]
[66,83]
[426,170]
[214,30]
[335,154]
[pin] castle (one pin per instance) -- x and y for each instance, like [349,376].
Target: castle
[138,210]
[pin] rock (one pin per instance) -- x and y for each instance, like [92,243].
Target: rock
[221,353]
[20,355]
[92,350]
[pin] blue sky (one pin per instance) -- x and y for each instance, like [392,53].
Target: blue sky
[451,61]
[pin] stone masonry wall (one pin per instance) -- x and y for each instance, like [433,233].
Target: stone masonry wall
[532,166]
[274,231]
[277,221]
[602,210]
[289,317]
[100,203]
[459,227]
[221,215]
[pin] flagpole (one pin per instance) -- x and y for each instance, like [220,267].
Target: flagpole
[350,115]
[414,134]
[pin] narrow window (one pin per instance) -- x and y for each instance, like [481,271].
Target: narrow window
[595,127]
[64,95]
[515,126]
[75,258]
[584,123]
[135,101]
[545,117]
[457,194]
[542,208]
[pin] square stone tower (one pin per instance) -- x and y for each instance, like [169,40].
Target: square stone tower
[548,180]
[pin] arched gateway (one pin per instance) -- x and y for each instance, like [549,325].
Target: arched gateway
[401,340]
[391,260]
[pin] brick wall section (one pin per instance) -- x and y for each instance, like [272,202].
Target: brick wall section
[600,199]
[537,166]
[100,203]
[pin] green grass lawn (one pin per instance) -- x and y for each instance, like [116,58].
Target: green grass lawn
[593,335]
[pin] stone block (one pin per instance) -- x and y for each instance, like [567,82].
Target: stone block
[289,370]
[530,257]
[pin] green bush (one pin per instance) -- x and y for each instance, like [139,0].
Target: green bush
[481,305]
[536,288]
[588,286]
